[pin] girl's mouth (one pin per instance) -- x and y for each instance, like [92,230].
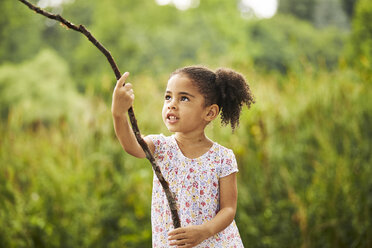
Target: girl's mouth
[172,118]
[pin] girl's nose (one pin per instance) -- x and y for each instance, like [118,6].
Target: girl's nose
[172,105]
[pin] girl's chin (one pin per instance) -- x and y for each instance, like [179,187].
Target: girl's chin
[172,129]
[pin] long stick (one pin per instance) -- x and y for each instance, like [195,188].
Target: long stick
[80,28]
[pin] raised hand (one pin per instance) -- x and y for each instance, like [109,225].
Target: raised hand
[123,96]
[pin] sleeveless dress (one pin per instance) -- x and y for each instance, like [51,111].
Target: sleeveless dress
[195,183]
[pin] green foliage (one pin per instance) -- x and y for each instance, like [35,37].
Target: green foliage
[63,189]
[150,39]
[303,149]
[304,161]
[361,38]
[65,182]
[280,45]
[20,32]
[330,13]
[303,9]
[322,13]
[348,6]
[47,96]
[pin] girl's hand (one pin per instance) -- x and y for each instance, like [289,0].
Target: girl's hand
[189,236]
[123,96]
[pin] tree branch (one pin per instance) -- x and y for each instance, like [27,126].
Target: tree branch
[80,28]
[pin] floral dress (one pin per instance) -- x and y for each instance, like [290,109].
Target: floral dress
[195,183]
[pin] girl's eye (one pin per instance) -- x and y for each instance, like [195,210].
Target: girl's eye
[167,97]
[185,99]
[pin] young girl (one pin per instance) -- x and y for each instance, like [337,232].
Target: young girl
[200,172]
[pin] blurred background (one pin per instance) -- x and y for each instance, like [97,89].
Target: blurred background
[304,149]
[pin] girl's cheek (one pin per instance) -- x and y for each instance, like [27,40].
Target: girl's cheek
[164,113]
[164,110]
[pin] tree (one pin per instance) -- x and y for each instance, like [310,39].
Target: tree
[348,6]
[361,38]
[303,9]
[320,13]
[330,13]
[14,32]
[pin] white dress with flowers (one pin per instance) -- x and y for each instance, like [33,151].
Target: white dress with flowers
[195,183]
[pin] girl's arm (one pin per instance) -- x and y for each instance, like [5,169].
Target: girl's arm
[193,235]
[122,100]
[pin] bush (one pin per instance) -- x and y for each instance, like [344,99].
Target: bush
[39,91]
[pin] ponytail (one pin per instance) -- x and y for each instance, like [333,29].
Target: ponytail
[224,87]
[234,92]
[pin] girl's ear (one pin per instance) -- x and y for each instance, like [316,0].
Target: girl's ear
[212,112]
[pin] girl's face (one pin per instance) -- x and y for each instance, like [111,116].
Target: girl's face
[183,109]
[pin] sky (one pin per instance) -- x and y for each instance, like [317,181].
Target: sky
[262,8]
[50,3]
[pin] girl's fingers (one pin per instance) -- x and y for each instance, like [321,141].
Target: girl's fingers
[184,246]
[174,233]
[127,88]
[179,242]
[121,80]
[177,237]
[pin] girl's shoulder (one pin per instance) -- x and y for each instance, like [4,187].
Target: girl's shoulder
[161,142]
[158,138]
[222,150]
[226,160]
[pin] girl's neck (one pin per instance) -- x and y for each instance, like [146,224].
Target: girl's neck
[193,138]
[193,145]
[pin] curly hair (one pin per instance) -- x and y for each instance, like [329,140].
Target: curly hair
[224,87]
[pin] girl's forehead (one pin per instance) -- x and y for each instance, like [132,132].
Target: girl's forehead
[181,83]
